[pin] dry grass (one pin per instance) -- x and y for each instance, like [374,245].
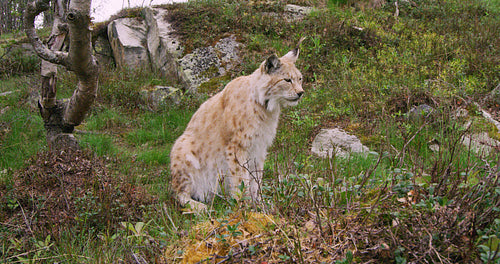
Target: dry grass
[58,192]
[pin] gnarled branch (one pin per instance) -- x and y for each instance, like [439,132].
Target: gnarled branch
[33,9]
[60,117]
[83,62]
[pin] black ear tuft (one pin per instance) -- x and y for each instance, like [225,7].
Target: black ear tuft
[300,42]
[272,64]
[294,54]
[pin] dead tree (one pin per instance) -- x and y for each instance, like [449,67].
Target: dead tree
[71,20]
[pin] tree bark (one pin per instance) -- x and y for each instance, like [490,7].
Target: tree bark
[48,69]
[84,64]
[61,116]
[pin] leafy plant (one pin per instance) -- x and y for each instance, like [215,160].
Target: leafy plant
[489,243]
[139,235]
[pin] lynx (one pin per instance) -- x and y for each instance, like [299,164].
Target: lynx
[225,143]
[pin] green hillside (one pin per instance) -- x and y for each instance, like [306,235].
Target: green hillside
[365,65]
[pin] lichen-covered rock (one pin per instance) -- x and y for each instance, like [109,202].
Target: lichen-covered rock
[228,51]
[420,113]
[206,63]
[490,119]
[127,39]
[161,96]
[336,142]
[199,66]
[103,51]
[480,143]
[295,12]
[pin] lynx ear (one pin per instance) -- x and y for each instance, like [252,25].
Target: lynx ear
[272,64]
[294,54]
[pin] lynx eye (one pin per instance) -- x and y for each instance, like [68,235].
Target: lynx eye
[288,80]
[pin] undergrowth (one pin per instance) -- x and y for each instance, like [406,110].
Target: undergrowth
[423,198]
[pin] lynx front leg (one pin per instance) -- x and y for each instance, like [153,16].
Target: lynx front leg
[182,186]
[238,172]
[254,168]
[255,174]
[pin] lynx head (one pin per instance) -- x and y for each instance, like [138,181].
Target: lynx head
[284,81]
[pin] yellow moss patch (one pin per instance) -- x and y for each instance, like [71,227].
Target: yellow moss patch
[214,239]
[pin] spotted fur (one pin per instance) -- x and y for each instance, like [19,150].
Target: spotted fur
[226,141]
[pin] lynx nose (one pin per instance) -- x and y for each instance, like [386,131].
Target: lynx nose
[300,93]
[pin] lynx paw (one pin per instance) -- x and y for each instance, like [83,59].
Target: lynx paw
[190,205]
[197,207]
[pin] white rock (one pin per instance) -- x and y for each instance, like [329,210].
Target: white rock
[490,119]
[330,140]
[480,143]
[295,12]
[163,46]
[127,38]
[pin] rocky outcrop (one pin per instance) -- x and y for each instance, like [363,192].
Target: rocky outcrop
[151,43]
[163,47]
[126,37]
[228,51]
[199,66]
[206,63]
[336,142]
[103,51]
[483,142]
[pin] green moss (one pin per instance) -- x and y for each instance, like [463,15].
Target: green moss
[484,125]
[214,85]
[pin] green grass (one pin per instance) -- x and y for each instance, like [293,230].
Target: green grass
[107,119]
[21,128]
[24,137]
[99,144]
[440,53]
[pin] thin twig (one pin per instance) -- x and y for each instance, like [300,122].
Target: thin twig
[169,218]
[432,247]
[6,52]
[28,225]
[402,154]
[369,173]
[27,253]
[374,204]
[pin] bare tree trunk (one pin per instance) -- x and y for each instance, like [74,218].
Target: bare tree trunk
[60,117]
